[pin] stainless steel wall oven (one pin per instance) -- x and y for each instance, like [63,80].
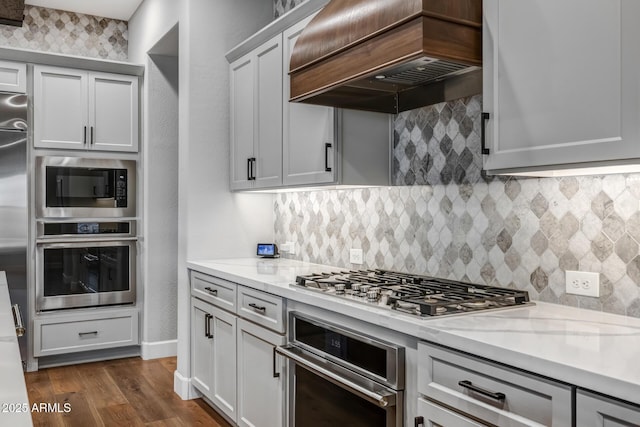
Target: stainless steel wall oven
[73,187]
[85,264]
[341,377]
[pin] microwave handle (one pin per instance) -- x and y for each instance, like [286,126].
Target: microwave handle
[383,399]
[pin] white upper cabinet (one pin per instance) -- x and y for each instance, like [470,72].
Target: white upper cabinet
[76,109]
[242,128]
[309,130]
[113,111]
[256,117]
[561,82]
[61,116]
[13,77]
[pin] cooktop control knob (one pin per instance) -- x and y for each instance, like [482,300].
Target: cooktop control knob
[339,287]
[355,287]
[365,288]
[372,295]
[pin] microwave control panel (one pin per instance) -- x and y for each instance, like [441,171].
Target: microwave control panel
[121,188]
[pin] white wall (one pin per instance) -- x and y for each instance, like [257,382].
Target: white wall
[212,222]
[152,20]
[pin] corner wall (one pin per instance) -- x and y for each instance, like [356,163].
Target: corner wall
[212,221]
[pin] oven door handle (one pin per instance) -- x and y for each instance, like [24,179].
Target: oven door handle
[383,398]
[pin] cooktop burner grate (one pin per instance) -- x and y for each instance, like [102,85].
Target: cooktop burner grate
[413,294]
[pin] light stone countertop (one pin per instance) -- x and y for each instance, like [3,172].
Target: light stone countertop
[589,349]
[13,390]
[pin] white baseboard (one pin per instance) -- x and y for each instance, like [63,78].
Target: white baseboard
[158,349]
[182,387]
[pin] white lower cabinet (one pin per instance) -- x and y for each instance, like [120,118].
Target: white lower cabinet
[261,377]
[214,355]
[233,361]
[593,410]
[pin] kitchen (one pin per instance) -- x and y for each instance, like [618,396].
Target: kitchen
[443,216]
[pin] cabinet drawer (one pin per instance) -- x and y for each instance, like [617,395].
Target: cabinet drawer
[262,308]
[487,391]
[69,336]
[432,415]
[216,291]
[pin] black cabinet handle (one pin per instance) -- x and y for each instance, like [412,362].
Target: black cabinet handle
[483,133]
[276,374]
[327,147]
[211,291]
[84,136]
[251,172]
[254,167]
[418,421]
[207,326]
[82,334]
[492,394]
[91,135]
[258,308]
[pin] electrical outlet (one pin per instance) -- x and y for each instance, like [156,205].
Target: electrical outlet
[355,256]
[291,248]
[583,283]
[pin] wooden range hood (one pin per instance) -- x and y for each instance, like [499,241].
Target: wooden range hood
[389,55]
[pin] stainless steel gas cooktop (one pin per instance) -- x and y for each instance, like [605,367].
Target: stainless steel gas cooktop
[416,295]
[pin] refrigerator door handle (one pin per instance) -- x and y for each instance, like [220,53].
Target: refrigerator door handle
[17,320]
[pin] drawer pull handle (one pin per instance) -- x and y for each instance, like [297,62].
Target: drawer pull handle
[211,291]
[258,308]
[83,334]
[418,421]
[492,394]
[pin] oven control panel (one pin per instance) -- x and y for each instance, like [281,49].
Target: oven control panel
[121,189]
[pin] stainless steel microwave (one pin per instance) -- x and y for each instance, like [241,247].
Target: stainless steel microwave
[74,187]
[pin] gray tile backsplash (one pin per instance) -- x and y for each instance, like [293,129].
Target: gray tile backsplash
[445,218]
[59,31]
[280,7]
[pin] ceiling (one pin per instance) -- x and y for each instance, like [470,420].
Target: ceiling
[118,9]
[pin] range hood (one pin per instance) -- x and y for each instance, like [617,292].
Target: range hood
[12,12]
[389,55]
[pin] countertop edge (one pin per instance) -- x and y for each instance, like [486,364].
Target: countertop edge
[14,398]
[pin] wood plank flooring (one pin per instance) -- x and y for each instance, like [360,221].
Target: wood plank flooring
[125,392]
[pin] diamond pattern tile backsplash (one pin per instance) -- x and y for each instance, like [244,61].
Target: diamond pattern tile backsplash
[280,7]
[444,218]
[59,31]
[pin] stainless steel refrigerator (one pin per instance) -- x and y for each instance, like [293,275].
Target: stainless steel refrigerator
[13,200]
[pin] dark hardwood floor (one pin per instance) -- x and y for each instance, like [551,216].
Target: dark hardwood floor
[125,392]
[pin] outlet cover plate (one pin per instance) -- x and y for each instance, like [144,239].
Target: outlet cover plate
[355,256]
[583,283]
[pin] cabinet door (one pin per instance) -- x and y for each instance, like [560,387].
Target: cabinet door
[560,82]
[60,108]
[268,114]
[113,112]
[201,346]
[13,77]
[261,377]
[597,411]
[242,121]
[309,131]
[224,381]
